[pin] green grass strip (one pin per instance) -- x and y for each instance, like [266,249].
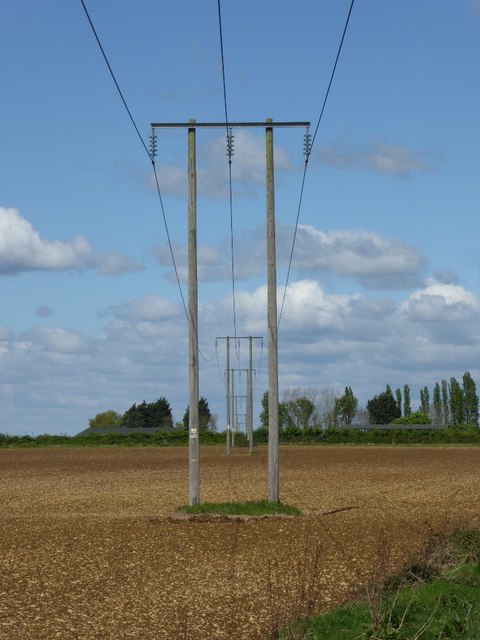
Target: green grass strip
[250,508]
[440,609]
[445,605]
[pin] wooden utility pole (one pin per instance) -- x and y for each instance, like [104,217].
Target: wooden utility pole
[232,400]
[273,485]
[249,416]
[193,424]
[228,395]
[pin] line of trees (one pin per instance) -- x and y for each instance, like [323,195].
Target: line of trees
[451,403]
[313,409]
[152,415]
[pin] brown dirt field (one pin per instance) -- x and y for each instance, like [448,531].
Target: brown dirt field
[88,551]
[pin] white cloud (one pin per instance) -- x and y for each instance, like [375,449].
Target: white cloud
[23,249]
[380,156]
[364,256]
[440,302]
[53,379]
[56,340]
[148,308]
[376,262]
[451,294]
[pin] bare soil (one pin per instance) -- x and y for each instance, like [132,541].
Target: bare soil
[88,549]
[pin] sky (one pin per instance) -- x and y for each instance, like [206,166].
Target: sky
[385,280]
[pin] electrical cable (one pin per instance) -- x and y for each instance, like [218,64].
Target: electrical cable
[229,153]
[170,245]
[340,46]
[114,78]
[218,362]
[151,156]
[308,152]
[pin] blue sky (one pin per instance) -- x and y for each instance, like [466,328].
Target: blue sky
[385,283]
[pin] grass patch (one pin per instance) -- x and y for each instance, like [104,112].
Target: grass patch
[250,508]
[437,596]
[440,609]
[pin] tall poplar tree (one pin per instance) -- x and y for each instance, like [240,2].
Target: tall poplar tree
[470,400]
[398,397]
[425,401]
[456,402]
[437,405]
[445,403]
[407,409]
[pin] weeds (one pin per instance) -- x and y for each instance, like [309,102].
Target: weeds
[293,591]
[436,596]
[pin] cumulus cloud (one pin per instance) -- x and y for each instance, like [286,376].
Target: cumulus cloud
[376,262]
[325,340]
[148,308]
[248,167]
[56,340]
[23,249]
[441,319]
[372,260]
[380,156]
[442,302]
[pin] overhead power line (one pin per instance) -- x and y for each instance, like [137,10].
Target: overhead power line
[114,78]
[230,187]
[150,153]
[327,93]
[308,151]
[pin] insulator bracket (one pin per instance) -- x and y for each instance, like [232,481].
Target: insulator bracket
[230,141]
[307,144]
[153,145]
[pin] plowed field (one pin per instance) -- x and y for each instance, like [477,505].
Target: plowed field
[88,550]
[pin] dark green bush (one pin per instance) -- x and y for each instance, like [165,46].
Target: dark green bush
[260,436]
[291,434]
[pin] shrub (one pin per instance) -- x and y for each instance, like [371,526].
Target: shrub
[413,418]
[260,435]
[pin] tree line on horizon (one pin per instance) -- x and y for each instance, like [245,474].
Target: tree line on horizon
[153,415]
[450,403]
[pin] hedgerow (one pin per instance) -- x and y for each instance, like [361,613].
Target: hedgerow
[463,434]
